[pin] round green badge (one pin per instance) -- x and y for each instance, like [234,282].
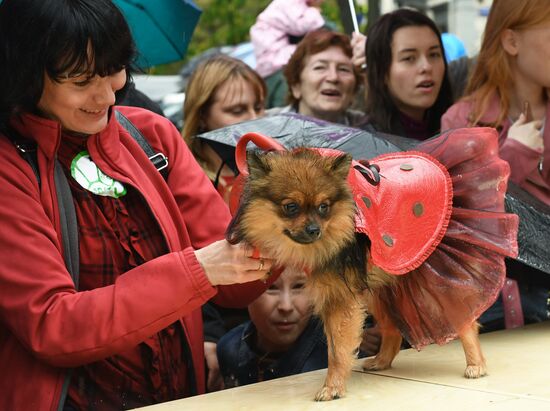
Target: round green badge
[89,176]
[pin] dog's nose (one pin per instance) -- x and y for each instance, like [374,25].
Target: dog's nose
[313,230]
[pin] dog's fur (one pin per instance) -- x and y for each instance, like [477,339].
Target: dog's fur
[297,207]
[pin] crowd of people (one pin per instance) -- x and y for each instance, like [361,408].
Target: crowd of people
[165,307]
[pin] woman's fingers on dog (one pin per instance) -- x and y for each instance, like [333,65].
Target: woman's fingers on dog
[252,252]
[224,263]
[259,264]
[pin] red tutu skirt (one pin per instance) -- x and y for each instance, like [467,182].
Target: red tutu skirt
[461,273]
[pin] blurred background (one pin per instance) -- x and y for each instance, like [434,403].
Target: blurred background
[223,26]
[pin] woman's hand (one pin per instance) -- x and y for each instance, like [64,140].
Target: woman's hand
[358,42]
[215,380]
[225,263]
[527,133]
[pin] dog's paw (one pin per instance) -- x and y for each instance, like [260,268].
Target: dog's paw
[475,371]
[374,364]
[328,393]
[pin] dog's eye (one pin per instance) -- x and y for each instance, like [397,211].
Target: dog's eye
[291,209]
[323,209]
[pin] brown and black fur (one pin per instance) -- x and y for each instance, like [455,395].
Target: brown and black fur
[297,207]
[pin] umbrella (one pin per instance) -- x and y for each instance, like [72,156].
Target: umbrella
[293,130]
[162,29]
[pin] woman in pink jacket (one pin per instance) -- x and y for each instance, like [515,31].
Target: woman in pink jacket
[151,250]
[508,90]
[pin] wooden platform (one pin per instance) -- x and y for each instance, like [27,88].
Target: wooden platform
[518,363]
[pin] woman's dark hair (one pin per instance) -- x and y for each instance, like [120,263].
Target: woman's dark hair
[59,38]
[315,42]
[382,112]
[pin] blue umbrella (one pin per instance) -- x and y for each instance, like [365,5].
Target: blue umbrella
[162,29]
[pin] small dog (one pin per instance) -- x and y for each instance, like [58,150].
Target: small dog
[298,208]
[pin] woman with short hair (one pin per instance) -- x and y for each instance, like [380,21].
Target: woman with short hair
[322,80]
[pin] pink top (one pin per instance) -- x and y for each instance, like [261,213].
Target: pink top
[270,33]
[524,161]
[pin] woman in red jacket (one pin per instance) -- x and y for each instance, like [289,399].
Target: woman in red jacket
[151,250]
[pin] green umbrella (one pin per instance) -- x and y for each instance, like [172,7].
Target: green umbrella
[162,29]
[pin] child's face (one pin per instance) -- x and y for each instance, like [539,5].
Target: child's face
[282,312]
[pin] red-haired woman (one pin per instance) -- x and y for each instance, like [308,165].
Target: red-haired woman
[508,90]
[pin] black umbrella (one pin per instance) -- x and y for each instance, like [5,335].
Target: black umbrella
[293,130]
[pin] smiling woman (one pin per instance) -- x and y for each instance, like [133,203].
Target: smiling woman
[407,83]
[149,250]
[81,104]
[322,79]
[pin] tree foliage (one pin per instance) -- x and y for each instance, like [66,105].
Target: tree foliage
[227,22]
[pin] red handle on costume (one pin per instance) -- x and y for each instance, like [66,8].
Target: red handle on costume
[255,253]
[263,142]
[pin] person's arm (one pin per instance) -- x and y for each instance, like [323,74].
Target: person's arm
[40,305]
[206,217]
[358,42]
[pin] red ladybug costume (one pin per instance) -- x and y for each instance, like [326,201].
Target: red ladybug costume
[436,218]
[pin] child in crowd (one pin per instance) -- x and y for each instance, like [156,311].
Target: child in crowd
[282,338]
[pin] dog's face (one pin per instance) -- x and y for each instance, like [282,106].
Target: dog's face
[299,206]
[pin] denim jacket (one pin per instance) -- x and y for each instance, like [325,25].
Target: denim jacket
[240,362]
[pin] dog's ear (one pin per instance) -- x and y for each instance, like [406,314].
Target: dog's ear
[340,165]
[257,164]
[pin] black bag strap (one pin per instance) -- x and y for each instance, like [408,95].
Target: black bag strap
[27,149]
[159,160]
[67,215]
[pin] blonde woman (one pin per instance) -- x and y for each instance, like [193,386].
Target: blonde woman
[222,91]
